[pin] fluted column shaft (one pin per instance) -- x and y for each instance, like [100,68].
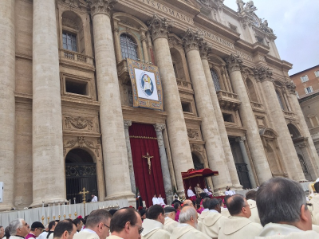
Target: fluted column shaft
[117,176]
[213,143]
[248,119]
[176,127]
[164,163]
[47,145]
[276,114]
[7,101]
[221,125]
[127,125]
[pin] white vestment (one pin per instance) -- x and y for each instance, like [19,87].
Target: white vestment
[284,231]
[254,211]
[86,234]
[190,193]
[208,192]
[161,201]
[315,208]
[185,231]
[94,199]
[51,235]
[155,200]
[239,227]
[43,235]
[230,193]
[154,229]
[210,223]
[225,212]
[113,237]
[170,224]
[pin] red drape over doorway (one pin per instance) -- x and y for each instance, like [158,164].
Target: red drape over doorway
[143,141]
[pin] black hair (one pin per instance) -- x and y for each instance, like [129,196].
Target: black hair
[154,211]
[51,224]
[251,195]
[213,203]
[63,226]
[176,205]
[96,217]
[235,204]
[316,186]
[77,221]
[121,217]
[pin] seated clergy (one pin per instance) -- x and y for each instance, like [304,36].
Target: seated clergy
[188,224]
[238,225]
[160,200]
[208,192]
[190,194]
[251,199]
[229,192]
[155,200]
[211,223]
[154,223]
[170,222]
[283,210]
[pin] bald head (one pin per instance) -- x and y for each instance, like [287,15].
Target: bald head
[188,203]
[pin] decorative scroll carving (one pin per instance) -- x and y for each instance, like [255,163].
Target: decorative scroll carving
[192,40]
[205,49]
[101,6]
[291,87]
[193,134]
[78,122]
[262,73]
[159,27]
[159,127]
[234,62]
[127,124]
[72,3]
[83,142]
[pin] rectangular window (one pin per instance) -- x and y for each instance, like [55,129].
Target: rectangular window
[304,78]
[314,121]
[308,90]
[76,87]
[186,107]
[228,118]
[317,73]
[69,41]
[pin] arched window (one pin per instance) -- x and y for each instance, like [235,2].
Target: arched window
[128,47]
[215,79]
[280,100]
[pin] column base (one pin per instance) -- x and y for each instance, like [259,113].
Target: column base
[125,195]
[6,207]
[38,203]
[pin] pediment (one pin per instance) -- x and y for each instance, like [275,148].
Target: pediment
[129,20]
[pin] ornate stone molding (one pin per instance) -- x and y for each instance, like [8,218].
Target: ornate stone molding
[82,142]
[159,127]
[262,73]
[192,40]
[291,87]
[193,134]
[127,124]
[234,63]
[78,122]
[205,49]
[159,27]
[101,6]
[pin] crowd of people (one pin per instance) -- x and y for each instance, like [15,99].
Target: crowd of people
[277,210]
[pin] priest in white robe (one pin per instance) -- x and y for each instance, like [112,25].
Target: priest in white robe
[160,200]
[251,199]
[229,192]
[94,198]
[284,211]
[154,223]
[155,200]
[188,224]
[191,195]
[238,225]
[211,222]
[170,223]
[208,192]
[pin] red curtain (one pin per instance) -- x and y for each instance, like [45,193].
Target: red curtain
[143,141]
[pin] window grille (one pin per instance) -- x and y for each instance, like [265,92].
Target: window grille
[69,41]
[128,47]
[216,80]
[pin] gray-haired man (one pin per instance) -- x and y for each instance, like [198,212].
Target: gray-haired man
[283,210]
[18,228]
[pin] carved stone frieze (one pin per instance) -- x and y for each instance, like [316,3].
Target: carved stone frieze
[291,87]
[82,142]
[193,134]
[72,3]
[234,63]
[263,73]
[192,40]
[101,6]
[80,123]
[159,27]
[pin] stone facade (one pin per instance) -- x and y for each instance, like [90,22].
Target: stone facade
[229,104]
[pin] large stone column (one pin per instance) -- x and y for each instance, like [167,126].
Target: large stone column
[220,121]
[213,143]
[47,139]
[248,119]
[127,125]
[117,176]
[164,163]
[175,122]
[7,101]
[303,125]
[276,114]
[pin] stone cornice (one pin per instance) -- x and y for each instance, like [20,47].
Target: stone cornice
[192,40]
[101,6]
[159,27]
[234,63]
[263,73]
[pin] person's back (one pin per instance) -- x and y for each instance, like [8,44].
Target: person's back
[238,225]
[251,199]
[170,222]
[153,224]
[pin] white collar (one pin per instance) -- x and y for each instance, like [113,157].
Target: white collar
[89,230]
[205,210]
[214,211]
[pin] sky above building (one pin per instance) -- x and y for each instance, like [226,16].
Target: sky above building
[296,25]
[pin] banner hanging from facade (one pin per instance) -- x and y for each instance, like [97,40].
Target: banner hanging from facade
[146,85]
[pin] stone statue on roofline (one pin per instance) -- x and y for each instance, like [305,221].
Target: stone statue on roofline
[250,7]
[264,27]
[240,4]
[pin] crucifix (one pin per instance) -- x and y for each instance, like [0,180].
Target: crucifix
[148,157]
[84,195]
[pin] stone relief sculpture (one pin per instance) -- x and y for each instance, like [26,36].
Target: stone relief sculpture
[264,26]
[250,7]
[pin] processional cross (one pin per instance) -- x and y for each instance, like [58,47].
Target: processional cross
[84,194]
[148,157]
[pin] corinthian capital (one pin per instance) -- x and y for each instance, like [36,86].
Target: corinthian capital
[262,73]
[159,127]
[192,40]
[159,27]
[291,87]
[204,50]
[101,6]
[234,62]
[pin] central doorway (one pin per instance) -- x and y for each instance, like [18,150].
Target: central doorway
[80,171]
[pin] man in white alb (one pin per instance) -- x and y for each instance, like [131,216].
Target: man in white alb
[94,198]
[191,195]
[160,200]
[155,200]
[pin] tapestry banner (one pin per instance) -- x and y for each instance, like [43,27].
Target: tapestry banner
[146,85]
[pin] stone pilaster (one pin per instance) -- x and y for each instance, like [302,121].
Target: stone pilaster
[118,184]
[276,114]
[204,50]
[7,88]
[303,125]
[176,127]
[144,45]
[127,125]
[213,143]
[164,163]
[117,42]
[248,119]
